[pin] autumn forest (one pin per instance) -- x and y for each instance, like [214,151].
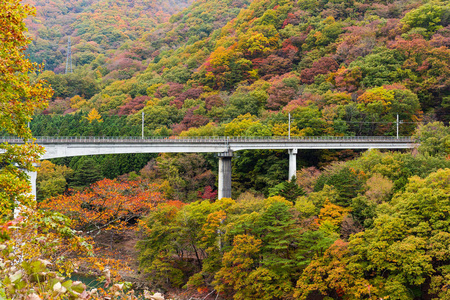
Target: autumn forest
[352,224]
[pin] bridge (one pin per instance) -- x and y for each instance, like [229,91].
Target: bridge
[57,147]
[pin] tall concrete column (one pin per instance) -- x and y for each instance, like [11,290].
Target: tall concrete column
[292,163]
[225,175]
[33,176]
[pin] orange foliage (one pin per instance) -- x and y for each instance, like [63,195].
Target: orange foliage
[176,203]
[108,204]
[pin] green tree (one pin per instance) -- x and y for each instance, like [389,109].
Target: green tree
[427,16]
[276,229]
[242,102]
[288,189]
[363,210]
[291,190]
[434,139]
[402,251]
[237,264]
[159,245]
[51,180]
[346,182]
[86,172]
[379,68]
[257,170]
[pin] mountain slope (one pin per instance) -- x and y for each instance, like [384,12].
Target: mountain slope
[96,27]
[338,67]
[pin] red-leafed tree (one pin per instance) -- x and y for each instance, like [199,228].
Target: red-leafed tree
[170,89]
[283,90]
[133,106]
[107,205]
[357,41]
[213,101]
[193,93]
[321,66]
[273,65]
[191,119]
[208,193]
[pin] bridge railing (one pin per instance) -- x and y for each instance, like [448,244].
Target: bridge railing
[203,139]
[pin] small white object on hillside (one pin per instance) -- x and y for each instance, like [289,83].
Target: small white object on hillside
[157,296]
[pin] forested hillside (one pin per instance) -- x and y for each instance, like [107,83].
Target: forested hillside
[96,27]
[338,67]
[235,68]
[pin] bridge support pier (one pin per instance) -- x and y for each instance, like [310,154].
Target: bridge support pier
[33,176]
[292,163]
[225,174]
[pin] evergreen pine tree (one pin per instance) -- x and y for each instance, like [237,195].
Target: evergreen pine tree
[86,172]
[291,190]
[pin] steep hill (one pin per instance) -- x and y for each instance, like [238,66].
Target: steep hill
[338,63]
[95,26]
[225,67]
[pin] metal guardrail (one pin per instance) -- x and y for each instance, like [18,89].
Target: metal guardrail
[210,139]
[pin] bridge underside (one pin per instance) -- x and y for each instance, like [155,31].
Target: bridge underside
[69,150]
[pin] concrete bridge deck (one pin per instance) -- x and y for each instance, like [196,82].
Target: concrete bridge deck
[57,147]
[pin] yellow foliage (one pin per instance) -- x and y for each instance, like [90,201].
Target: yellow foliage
[329,20]
[225,203]
[47,170]
[152,89]
[276,199]
[210,77]
[253,74]
[340,98]
[77,101]
[305,206]
[209,129]
[152,102]
[94,116]
[239,125]
[385,97]
[333,214]
[213,222]
[255,42]
[306,132]
[221,57]
[283,130]
[378,188]
[208,94]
